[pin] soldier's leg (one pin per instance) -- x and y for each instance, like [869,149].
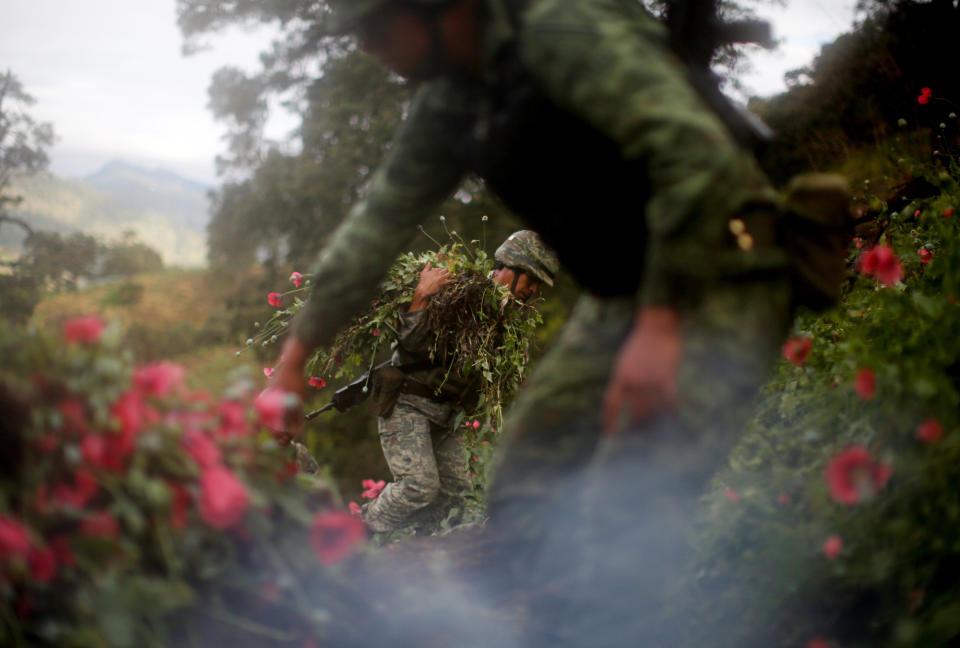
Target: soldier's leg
[630,534]
[551,430]
[408,449]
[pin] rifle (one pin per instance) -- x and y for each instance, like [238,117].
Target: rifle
[349,396]
[695,34]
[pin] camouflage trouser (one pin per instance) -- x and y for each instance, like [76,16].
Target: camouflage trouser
[427,460]
[602,521]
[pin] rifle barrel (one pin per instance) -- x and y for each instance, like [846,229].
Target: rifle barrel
[315,413]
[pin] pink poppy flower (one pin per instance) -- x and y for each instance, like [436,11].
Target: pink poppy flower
[83,330]
[796,349]
[930,431]
[158,379]
[223,498]
[14,540]
[373,488]
[43,564]
[865,383]
[732,495]
[233,419]
[268,372]
[297,279]
[832,547]
[319,383]
[926,256]
[355,508]
[882,263]
[476,424]
[275,299]
[854,476]
[335,534]
[100,525]
[201,448]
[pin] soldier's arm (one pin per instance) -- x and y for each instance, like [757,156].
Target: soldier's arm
[418,173]
[609,63]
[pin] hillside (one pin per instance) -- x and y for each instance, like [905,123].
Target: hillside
[166,212]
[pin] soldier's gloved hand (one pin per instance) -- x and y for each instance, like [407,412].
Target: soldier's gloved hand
[644,377]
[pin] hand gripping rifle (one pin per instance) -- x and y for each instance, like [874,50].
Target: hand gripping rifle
[351,395]
[696,32]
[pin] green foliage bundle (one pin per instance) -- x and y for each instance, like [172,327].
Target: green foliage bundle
[837,520]
[480,331]
[134,512]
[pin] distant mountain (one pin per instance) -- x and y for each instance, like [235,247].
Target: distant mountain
[182,200]
[168,213]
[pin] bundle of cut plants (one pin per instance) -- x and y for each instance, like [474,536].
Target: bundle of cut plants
[480,332]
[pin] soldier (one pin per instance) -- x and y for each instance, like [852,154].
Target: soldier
[578,115]
[424,451]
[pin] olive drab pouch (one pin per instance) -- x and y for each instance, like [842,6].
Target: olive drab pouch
[387,383]
[815,231]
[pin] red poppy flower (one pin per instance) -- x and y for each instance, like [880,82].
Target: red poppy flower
[376,332]
[100,525]
[783,499]
[297,279]
[882,263]
[865,384]
[930,431]
[796,349]
[78,495]
[83,330]
[319,383]
[14,540]
[223,498]
[832,547]
[476,424]
[275,299]
[732,495]
[74,415]
[949,212]
[334,534]
[817,642]
[926,256]
[43,564]
[923,99]
[158,379]
[854,476]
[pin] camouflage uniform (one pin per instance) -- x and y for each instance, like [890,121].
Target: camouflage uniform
[425,453]
[586,126]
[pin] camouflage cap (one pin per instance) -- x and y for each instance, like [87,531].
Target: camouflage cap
[346,14]
[526,251]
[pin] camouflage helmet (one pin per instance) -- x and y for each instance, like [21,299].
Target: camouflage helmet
[346,14]
[525,250]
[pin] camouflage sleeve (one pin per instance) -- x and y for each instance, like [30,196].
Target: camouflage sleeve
[413,334]
[608,62]
[418,173]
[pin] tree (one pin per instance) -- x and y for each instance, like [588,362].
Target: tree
[23,141]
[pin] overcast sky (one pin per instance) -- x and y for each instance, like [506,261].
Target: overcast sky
[110,76]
